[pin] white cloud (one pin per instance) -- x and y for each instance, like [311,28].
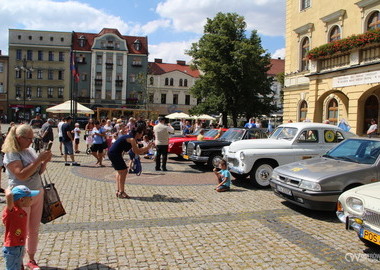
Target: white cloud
[280,53]
[170,52]
[266,16]
[150,27]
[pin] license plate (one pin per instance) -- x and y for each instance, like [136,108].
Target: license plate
[284,190]
[185,156]
[370,236]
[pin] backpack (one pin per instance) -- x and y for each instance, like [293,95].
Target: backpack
[136,163]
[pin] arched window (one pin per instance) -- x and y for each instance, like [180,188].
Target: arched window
[151,80]
[305,47]
[166,81]
[185,83]
[82,41]
[171,82]
[334,33]
[373,21]
[303,111]
[333,111]
[180,82]
[137,45]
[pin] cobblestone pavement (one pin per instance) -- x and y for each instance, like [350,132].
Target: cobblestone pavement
[176,220]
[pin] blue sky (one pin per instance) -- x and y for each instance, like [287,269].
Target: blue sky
[170,25]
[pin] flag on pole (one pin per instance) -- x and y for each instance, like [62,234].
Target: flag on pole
[73,67]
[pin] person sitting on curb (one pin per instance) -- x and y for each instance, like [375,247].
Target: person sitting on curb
[223,176]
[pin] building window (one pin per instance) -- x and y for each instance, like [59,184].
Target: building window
[119,60]
[82,41]
[151,98]
[373,21]
[187,100]
[18,74]
[84,76]
[137,45]
[18,54]
[29,92]
[39,74]
[30,37]
[1,88]
[41,37]
[50,74]
[175,99]
[40,56]
[163,98]
[60,74]
[61,56]
[136,61]
[151,80]
[305,4]
[185,83]
[50,92]
[81,59]
[303,111]
[51,56]
[333,111]
[18,91]
[132,78]
[109,76]
[39,92]
[29,55]
[118,95]
[29,75]
[171,81]
[305,47]
[98,76]
[99,59]
[51,38]
[19,37]
[60,92]
[1,67]
[180,82]
[166,81]
[334,33]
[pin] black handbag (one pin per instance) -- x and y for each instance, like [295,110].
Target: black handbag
[52,207]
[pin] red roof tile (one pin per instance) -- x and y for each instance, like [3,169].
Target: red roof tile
[278,66]
[162,68]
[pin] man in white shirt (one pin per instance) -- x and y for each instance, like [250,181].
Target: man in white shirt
[372,129]
[161,134]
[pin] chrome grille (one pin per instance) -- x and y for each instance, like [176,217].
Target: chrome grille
[289,180]
[372,218]
[232,162]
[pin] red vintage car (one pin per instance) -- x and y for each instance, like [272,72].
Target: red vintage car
[175,143]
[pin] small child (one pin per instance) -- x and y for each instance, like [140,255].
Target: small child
[145,142]
[224,177]
[76,132]
[15,219]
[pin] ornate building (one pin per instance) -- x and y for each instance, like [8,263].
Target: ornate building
[3,86]
[332,62]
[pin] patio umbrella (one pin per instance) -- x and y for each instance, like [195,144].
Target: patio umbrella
[204,117]
[65,108]
[178,115]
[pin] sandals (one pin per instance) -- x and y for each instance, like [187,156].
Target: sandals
[122,195]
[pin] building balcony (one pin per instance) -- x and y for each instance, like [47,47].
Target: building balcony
[109,65]
[119,83]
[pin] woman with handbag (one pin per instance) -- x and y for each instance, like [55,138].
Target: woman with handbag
[123,144]
[24,167]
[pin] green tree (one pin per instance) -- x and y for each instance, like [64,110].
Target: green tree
[234,80]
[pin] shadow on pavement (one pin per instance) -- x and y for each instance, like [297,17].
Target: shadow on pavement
[94,266]
[328,216]
[161,198]
[49,268]
[245,183]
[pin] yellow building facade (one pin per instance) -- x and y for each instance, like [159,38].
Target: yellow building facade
[334,86]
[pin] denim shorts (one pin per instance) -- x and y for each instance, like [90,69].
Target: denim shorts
[13,257]
[68,146]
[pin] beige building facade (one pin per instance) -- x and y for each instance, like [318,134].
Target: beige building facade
[4,59]
[335,85]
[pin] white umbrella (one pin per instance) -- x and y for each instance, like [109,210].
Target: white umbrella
[65,108]
[178,115]
[204,117]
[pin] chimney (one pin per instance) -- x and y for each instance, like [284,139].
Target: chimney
[157,60]
[0,52]
[181,62]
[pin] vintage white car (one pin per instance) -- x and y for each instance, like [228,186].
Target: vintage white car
[359,209]
[288,143]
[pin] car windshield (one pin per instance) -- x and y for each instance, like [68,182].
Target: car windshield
[358,151]
[211,133]
[286,133]
[232,135]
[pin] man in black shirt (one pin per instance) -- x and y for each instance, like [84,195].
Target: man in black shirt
[68,138]
[36,122]
[46,132]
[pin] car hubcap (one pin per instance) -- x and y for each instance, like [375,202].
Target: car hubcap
[263,174]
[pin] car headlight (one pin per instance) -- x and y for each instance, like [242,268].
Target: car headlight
[310,185]
[242,155]
[275,175]
[198,150]
[355,204]
[171,145]
[183,147]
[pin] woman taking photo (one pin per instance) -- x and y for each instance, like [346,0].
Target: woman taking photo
[123,144]
[24,167]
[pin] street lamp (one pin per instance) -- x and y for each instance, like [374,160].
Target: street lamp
[26,70]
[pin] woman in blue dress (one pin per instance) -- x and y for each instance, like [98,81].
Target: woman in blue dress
[123,144]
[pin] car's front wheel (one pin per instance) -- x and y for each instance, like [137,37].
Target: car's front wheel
[214,160]
[261,173]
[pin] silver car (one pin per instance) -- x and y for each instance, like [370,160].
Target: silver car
[317,183]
